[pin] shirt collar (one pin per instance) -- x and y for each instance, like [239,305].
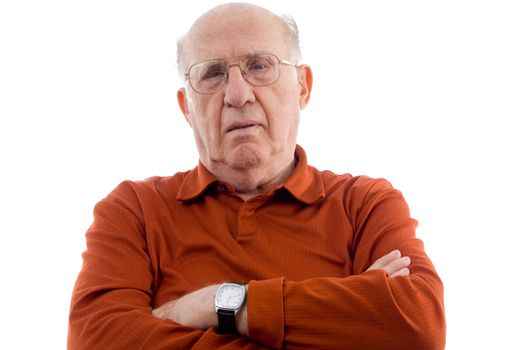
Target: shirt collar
[304,184]
[195,183]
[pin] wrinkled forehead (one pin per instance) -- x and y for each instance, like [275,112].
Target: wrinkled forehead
[235,35]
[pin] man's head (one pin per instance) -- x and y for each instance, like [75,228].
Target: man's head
[290,30]
[243,127]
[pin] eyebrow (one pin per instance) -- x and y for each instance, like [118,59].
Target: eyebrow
[249,54]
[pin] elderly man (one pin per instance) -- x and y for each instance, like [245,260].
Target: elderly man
[253,248]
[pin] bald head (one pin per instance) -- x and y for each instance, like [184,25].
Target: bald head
[237,21]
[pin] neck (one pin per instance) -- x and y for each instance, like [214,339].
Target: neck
[252,182]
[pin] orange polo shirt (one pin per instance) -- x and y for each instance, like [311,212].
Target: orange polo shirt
[303,247]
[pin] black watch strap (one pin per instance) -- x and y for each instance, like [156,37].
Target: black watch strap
[226,321]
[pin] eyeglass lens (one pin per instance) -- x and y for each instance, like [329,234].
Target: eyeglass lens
[209,76]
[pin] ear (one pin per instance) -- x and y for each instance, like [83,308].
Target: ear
[183,104]
[305,82]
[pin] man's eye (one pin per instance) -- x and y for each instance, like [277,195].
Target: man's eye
[257,65]
[214,73]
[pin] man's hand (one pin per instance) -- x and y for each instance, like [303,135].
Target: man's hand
[393,263]
[194,310]
[197,309]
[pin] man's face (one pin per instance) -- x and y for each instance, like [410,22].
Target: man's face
[243,126]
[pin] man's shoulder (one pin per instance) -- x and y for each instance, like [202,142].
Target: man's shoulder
[355,191]
[154,186]
[347,181]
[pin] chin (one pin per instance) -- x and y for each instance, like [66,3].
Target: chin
[246,156]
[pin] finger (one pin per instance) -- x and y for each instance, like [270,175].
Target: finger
[402,272]
[397,265]
[385,260]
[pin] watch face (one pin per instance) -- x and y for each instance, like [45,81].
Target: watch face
[230,296]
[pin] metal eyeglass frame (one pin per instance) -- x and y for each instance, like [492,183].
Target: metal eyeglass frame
[280,61]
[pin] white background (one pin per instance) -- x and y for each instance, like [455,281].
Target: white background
[430,95]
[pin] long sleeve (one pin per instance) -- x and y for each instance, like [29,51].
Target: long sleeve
[305,249]
[111,303]
[366,310]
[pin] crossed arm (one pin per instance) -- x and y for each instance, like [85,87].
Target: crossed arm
[377,306]
[196,309]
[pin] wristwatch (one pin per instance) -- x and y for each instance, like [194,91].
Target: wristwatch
[228,301]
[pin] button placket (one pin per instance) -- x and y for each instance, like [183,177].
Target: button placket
[246,219]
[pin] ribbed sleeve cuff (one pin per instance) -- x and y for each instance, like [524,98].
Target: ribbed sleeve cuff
[265,312]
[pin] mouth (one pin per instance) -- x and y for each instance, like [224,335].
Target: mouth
[241,125]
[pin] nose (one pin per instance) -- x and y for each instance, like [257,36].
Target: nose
[237,91]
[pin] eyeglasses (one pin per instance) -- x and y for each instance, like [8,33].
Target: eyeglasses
[259,69]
